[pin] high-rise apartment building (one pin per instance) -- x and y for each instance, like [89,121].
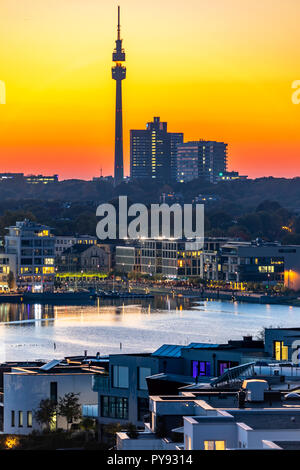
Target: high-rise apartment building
[201,159]
[153,152]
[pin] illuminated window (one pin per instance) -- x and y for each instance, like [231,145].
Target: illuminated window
[49,261]
[266,269]
[48,270]
[29,419]
[214,445]
[20,419]
[280,351]
[43,233]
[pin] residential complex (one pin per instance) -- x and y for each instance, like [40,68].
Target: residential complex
[219,260]
[240,395]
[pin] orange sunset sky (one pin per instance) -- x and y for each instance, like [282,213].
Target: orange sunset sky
[214,69]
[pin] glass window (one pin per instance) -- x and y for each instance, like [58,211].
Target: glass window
[214,445]
[143,408]
[53,391]
[280,351]
[200,368]
[114,407]
[223,365]
[20,419]
[120,377]
[143,372]
[29,419]
[12,418]
[104,406]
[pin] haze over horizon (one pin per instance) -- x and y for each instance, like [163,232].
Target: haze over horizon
[212,69]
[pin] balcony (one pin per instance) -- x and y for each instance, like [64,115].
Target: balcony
[101,383]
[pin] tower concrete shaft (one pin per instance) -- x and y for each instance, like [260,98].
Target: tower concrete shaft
[119,74]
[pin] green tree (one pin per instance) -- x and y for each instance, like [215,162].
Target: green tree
[69,407]
[44,415]
[87,425]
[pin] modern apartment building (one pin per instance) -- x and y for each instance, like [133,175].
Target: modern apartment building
[153,152]
[123,393]
[259,262]
[33,245]
[201,159]
[168,257]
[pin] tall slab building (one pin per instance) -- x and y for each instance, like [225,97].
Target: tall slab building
[153,152]
[201,159]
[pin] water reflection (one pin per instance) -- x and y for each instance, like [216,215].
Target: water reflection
[46,331]
[19,313]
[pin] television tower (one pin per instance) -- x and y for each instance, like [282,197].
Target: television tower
[118,74]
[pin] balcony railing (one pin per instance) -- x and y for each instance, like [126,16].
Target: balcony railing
[101,383]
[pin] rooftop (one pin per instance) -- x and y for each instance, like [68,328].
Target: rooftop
[77,249]
[288,445]
[175,350]
[270,419]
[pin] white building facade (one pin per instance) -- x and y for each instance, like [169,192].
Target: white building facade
[24,390]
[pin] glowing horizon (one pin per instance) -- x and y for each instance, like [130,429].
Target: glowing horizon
[216,70]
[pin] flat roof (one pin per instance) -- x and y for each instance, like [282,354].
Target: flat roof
[277,419]
[288,445]
[58,370]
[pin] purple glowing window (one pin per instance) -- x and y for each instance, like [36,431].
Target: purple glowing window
[200,368]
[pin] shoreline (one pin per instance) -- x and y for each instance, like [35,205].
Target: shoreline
[228,296]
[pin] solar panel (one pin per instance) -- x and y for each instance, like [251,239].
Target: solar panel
[51,364]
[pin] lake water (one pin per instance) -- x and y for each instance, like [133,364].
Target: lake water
[30,332]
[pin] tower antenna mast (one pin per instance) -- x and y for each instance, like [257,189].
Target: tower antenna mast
[119,74]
